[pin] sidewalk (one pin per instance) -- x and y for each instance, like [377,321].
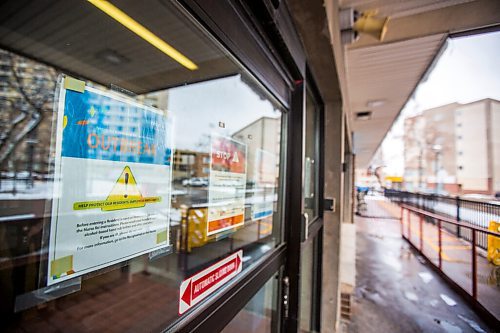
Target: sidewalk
[396,290]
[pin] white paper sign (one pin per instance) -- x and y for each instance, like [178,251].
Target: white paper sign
[112,182]
[226,192]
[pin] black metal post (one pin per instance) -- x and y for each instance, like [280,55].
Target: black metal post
[294,208]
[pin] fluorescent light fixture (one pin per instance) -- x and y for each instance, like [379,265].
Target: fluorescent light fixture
[375,103]
[144,33]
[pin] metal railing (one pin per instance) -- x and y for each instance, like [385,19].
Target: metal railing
[474,231]
[465,212]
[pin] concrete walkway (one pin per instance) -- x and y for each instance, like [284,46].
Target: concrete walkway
[395,290]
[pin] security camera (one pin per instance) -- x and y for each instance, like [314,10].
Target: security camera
[352,23]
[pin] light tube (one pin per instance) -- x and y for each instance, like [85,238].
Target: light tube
[143,32]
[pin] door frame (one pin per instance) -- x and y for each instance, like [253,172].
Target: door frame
[236,25]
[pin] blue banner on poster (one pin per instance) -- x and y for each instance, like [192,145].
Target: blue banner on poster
[102,127]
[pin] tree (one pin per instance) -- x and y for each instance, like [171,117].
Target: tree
[26,100]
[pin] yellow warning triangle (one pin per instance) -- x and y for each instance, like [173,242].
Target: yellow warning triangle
[125,194]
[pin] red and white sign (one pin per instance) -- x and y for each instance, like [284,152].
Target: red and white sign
[202,284]
[227,185]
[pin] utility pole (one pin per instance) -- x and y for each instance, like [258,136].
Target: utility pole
[420,168]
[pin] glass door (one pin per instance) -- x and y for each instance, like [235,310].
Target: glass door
[310,265]
[142,170]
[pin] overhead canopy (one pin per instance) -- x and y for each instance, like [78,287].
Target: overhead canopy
[380,79]
[381,76]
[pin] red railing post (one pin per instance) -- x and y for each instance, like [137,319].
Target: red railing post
[409,225]
[474,265]
[475,230]
[440,246]
[421,227]
[402,222]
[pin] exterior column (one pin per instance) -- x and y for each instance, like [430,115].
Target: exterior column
[334,156]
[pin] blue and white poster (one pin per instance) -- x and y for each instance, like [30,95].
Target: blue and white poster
[265,180]
[112,181]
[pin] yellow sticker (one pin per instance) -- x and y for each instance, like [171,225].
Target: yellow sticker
[61,266]
[71,83]
[161,237]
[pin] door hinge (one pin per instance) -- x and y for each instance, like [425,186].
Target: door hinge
[286,295]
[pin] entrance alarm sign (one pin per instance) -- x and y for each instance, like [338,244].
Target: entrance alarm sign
[112,182]
[202,284]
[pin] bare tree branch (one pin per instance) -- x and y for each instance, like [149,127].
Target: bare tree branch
[35,112]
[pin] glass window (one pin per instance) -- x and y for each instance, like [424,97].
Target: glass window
[260,314]
[311,167]
[135,153]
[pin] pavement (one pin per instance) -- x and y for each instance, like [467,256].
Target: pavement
[396,291]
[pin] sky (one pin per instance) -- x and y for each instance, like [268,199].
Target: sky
[198,108]
[467,70]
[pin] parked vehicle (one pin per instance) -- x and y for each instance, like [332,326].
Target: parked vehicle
[195,182]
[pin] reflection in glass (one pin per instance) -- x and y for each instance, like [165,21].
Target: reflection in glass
[311,165]
[259,314]
[306,287]
[141,293]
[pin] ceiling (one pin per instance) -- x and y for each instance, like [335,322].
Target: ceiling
[387,75]
[79,39]
[388,72]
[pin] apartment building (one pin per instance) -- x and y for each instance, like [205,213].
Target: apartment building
[454,148]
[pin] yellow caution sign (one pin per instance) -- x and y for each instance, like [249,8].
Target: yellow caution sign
[125,194]
[494,244]
[126,191]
